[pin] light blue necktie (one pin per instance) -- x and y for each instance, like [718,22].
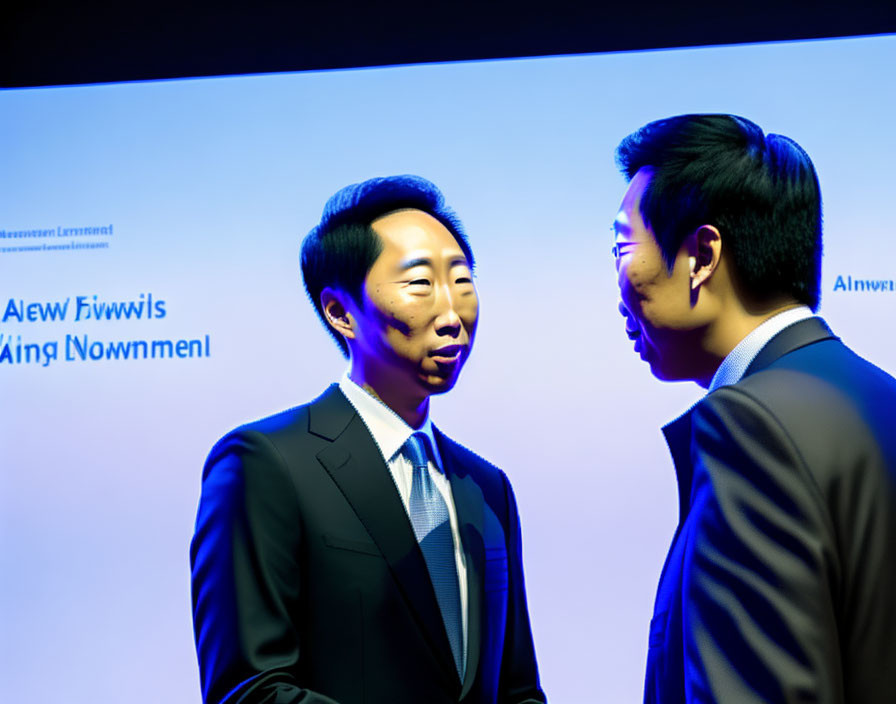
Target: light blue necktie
[429,517]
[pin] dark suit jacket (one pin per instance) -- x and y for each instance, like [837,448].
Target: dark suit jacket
[309,586]
[780,585]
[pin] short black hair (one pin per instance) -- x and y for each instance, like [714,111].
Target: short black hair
[341,248]
[760,190]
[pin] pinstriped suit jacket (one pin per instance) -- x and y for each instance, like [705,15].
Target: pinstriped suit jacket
[780,585]
[309,585]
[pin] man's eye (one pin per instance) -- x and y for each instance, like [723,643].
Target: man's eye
[463,280]
[419,282]
[621,248]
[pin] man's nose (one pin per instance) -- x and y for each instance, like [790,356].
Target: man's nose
[623,311]
[447,320]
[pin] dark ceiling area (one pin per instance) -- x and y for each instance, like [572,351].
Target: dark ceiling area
[52,43]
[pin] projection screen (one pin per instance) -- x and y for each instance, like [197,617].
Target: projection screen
[151,300]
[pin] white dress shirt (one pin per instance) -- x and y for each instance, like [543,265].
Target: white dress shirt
[733,367]
[390,433]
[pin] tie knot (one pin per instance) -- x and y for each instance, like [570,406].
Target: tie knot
[416,449]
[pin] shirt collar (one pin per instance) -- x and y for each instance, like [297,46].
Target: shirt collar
[388,429]
[733,367]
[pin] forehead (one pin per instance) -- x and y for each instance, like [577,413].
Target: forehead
[409,230]
[629,214]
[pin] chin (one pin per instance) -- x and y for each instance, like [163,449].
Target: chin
[439,388]
[663,375]
[667,374]
[435,384]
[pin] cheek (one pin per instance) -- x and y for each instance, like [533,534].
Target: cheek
[642,277]
[467,310]
[631,288]
[396,309]
[622,279]
[666,307]
[402,322]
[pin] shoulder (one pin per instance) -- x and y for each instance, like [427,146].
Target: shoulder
[466,463]
[823,407]
[820,385]
[289,432]
[467,460]
[475,477]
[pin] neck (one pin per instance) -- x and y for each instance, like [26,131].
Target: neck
[733,325]
[413,410]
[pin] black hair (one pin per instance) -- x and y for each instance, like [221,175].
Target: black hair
[761,192]
[341,248]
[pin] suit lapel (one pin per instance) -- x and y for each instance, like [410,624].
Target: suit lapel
[678,437]
[789,339]
[356,465]
[469,505]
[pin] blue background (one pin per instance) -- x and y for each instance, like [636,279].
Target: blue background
[212,183]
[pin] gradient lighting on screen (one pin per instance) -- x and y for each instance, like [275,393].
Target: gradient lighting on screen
[205,188]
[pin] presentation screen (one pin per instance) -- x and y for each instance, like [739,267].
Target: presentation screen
[151,300]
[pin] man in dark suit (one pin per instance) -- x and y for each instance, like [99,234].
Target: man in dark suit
[347,550]
[780,584]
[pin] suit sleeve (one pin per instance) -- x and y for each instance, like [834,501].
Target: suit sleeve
[759,621]
[245,577]
[519,670]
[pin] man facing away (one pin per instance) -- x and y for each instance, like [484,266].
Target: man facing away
[780,584]
[346,550]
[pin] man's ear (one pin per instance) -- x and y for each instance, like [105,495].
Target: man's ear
[333,303]
[705,254]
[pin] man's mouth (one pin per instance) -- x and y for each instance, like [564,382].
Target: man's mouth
[447,354]
[635,336]
[633,330]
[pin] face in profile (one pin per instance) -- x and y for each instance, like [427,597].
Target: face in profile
[655,302]
[418,311]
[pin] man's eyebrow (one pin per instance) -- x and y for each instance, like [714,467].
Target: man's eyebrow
[416,261]
[459,260]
